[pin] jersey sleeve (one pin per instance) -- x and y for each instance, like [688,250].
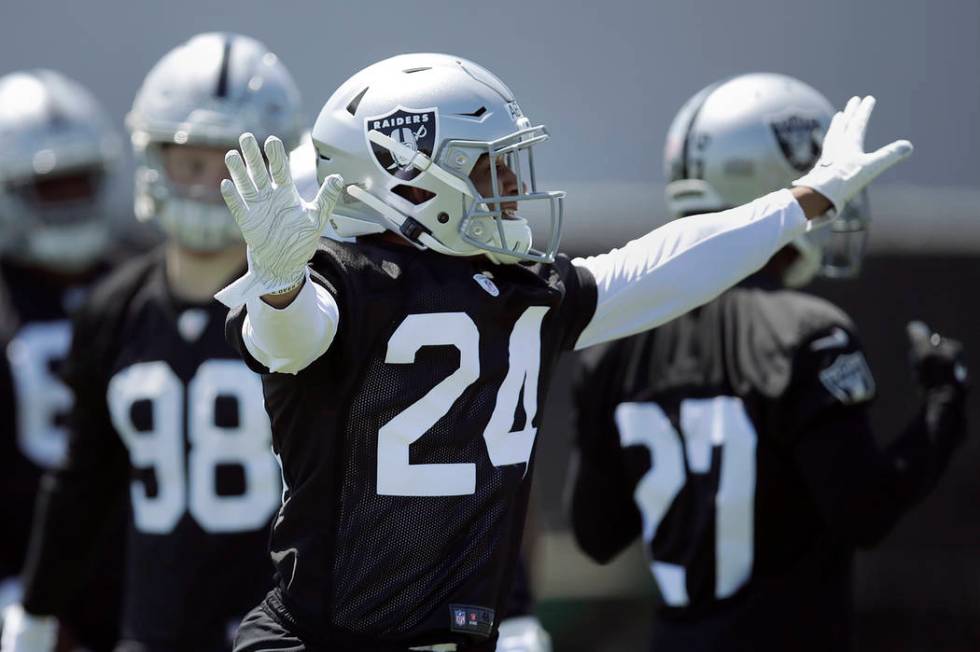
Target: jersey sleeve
[579,303]
[685,264]
[829,374]
[12,485]
[603,514]
[860,489]
[286,340]
[80,500]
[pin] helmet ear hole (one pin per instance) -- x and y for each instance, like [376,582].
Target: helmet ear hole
[415,195]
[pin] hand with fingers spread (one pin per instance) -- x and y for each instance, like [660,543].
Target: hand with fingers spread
[844,168]
[280,229]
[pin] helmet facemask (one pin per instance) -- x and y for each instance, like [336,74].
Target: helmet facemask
[846,240]
[506,236]
[195,216]
[67,230]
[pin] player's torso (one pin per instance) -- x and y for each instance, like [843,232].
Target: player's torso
[33,399]
[726,517]
[419,451]
[204,482]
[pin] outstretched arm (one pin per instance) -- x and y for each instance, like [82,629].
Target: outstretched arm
[861,490]
[688,262]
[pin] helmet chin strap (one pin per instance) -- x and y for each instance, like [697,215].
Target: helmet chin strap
[395,220]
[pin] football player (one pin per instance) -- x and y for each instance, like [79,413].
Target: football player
[58,155]
[165,409]
[404,371]
[735,439]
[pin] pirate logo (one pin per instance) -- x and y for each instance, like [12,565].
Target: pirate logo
[414,128]
[800,140]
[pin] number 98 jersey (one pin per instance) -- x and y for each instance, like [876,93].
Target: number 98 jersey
[407,447]
[167,413]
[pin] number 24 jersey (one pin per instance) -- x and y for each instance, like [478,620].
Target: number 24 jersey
[407,448]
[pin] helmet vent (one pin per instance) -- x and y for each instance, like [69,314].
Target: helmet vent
[409,71]
[411,194]
[354,103]
[323,157]
[475,114]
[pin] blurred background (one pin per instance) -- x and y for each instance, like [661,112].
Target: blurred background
[607,78]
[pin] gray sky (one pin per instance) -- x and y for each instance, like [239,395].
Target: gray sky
[605,77]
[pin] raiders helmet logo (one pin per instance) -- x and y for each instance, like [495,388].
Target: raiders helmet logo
[414,128]
[800,139]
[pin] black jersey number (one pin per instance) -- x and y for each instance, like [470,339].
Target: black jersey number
[706,424]
[188,482]
[398,477]
[41,396]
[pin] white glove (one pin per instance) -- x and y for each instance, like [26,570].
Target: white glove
[23,632]
[280,229]
[523,634]
[844,169]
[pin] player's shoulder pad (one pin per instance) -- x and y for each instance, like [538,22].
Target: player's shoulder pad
[110,297]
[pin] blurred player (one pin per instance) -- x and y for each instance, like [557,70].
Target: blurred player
[404,371]
[735,439]
[58,155]
[165,409]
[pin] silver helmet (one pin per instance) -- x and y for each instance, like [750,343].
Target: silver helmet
[58,150]
[423,121]
[207,91]
[750,135]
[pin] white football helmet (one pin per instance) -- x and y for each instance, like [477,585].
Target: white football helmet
[207,91]
[423,121]
[750,135]
[57,151]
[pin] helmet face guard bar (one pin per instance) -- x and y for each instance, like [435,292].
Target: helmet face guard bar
[517,151]
[845,240]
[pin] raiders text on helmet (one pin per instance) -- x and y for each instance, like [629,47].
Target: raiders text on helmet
[423,121]
[745,137]
[207,92]
[57,150]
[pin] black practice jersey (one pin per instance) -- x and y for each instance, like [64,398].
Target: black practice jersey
[33,400]
[35,335]
[690,435]
[168,413]
[407,448]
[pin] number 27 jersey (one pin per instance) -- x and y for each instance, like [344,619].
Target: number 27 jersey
[407,448]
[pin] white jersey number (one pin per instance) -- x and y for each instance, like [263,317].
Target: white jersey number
[706,424]
[41,396]
[191,486]
[396,475]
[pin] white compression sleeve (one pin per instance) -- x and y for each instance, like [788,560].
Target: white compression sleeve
[288,340]
[685,264]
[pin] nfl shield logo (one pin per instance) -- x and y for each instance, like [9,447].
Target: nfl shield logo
[800,138]
[460,616]
[414,128]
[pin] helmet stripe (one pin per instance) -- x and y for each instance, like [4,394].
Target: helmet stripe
[222,88]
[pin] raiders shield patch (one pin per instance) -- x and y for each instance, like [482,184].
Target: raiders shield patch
[414,128]
[849,379]
[800,139]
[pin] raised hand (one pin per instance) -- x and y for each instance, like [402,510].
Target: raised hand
[844,168]
[280,229]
